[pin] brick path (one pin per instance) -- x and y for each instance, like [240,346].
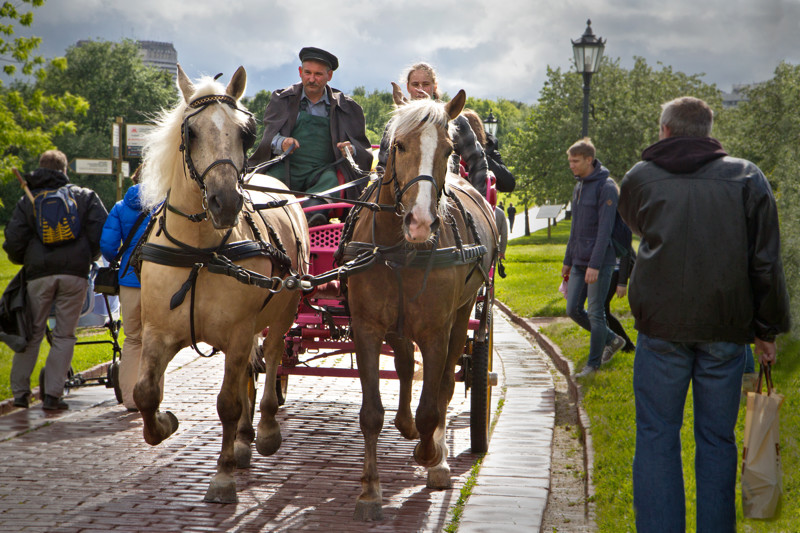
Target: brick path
[90,470]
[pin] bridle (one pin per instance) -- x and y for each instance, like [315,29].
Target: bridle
[248,138]
[399,192]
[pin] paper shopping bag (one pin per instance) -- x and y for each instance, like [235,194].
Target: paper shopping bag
[762,482]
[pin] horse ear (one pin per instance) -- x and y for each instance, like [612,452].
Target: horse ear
[185,85]
[398,96]
[454,106]
[238,83]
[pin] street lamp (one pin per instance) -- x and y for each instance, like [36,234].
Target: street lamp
[588,52]
[490,124]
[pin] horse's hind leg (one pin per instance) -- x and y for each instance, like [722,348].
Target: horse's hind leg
[404,364]
[269,439]
[222,488]
[147,392]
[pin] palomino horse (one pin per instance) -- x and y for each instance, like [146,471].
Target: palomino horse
[195,159]
[434,257]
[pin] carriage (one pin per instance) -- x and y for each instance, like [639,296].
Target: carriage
[248,264]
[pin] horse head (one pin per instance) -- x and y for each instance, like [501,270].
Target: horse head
[215,136]
[418,161]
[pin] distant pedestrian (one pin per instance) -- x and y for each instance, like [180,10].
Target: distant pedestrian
[57,278]
[708,280]
[590,258]
[512,212]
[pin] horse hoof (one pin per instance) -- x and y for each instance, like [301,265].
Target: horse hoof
[439,477]
[166,424]
[243,453]
[221,491]
[407,428]
[269,438]
[436,457]
[368,511]
[172,420]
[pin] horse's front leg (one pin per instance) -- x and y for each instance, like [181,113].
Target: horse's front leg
[368,345]
[269,437]
[147,393]
[404,364]
[222,488]
[429,450]
[245,435]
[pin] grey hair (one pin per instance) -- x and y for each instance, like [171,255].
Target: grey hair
[687,116]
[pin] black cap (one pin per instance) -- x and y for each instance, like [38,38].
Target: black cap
[318,54]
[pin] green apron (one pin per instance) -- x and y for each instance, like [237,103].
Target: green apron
[315,152]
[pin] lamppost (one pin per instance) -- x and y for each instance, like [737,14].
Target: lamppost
[490,124]
[588,52]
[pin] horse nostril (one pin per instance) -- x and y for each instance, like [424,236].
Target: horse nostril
[213,202]
[408,219]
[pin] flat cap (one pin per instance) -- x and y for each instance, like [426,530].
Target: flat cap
[318,54]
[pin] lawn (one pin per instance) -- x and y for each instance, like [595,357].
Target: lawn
[86,356]
[533,265]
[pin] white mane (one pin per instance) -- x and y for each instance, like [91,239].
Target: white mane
[409,116]
[162,160]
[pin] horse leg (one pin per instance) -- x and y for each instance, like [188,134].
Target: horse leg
[269,437]
[439,475]
[428,451]
[222,488]
[245,434]
[368,344]
[156,355]
[404,364]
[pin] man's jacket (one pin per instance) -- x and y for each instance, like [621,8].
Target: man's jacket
[594,207]
[347,124]
[709,265]
[75,257]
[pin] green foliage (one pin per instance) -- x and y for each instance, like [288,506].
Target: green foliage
[29,119]
[625,106]
[377,106]
[257,105]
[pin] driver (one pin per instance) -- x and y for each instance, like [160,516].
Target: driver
[315,121]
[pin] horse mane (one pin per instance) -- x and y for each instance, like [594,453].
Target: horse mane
[162,158]
[409,116]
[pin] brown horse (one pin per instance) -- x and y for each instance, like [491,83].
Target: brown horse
[195,160]
[434,257]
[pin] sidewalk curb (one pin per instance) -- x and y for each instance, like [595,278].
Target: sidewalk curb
[564,366]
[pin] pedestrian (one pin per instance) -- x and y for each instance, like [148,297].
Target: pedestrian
[708,280]
[315,121]
[125,217]
[512,212]
[56,265]
[590,258]
[619,287]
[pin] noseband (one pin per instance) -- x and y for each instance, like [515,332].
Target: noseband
[200,104]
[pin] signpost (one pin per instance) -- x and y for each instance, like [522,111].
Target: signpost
[135,135]
[92,166]
[548,212]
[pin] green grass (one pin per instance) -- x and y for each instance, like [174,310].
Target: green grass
[534,271]
[84,356]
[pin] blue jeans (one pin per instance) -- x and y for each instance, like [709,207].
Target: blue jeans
[662,371]
[592,319]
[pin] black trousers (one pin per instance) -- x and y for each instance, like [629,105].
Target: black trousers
[614,324]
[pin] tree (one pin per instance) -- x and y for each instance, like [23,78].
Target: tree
[377,106]
[29,118]
[113,79]
[625,106]
[257,105]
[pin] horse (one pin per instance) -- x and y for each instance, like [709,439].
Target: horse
[193,173]
[436,248]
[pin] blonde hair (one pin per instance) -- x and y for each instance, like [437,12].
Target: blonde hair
[584,148]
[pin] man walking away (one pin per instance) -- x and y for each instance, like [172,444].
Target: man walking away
[708,280]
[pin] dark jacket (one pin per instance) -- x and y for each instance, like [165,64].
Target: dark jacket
[119,224]
[594,207]
[347,124]
[15,319]
[466,148]
[506,182]
[709,264]
[24,247]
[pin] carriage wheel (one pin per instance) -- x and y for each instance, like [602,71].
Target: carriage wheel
[282,388]
[113,380]
[481,395]
[69,383]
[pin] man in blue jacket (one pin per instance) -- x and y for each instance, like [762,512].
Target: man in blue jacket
[590,259]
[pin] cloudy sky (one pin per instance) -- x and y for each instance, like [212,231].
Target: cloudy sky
[490,48]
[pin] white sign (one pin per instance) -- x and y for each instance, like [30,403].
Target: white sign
[115,140]
[126,169]
[92,166]
[135,135]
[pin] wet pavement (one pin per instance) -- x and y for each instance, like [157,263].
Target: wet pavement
[88,469]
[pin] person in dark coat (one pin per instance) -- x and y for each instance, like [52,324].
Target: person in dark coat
[315,122]
[57,279]
[512,212]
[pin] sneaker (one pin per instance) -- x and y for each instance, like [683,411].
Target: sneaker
[23,401]
[611,349]
[54,403]
[586,372]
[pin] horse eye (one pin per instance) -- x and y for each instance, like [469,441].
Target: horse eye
[192,133]
[400,147]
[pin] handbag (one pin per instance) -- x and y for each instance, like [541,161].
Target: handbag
[762,475]
[106,280]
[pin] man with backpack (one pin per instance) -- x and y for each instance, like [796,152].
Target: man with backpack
[591,257]
[54,232]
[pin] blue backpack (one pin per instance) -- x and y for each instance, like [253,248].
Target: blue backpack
[56,214]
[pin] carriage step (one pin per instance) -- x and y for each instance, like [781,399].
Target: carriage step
[493,379]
